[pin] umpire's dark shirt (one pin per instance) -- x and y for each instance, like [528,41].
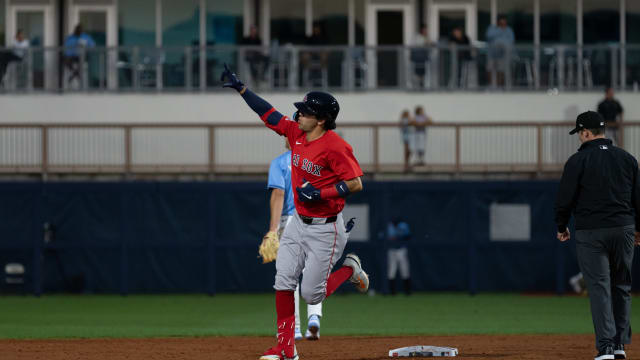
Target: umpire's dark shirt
[600,183]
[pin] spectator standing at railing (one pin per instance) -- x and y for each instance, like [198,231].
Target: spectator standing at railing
[17,54]
[74,44]
[612,112]
[420,54]
[257,60]
[463,54]
[501,39]
[420,123]
[405,132]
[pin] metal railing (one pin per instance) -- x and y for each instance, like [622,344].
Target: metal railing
[127,149]
[291,68]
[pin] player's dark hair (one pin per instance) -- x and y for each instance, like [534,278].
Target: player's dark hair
[329,122]
[597,131]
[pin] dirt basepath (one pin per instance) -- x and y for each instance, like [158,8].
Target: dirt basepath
[566,347]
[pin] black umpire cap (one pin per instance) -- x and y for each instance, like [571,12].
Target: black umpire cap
[588,120]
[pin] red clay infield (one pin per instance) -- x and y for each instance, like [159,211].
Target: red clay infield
[329,347]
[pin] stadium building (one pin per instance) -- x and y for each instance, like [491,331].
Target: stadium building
[137,96]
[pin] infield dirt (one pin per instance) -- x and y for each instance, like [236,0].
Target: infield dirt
[330,347]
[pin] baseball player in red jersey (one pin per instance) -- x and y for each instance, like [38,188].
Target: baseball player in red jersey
[324,172]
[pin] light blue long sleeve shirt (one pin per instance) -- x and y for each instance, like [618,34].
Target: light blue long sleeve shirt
[280,178]
[497,35]
[73,42]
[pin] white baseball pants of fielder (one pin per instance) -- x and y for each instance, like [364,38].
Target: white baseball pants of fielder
[313,247]
[311,309]
[398,258]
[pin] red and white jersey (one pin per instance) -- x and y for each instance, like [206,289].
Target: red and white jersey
[322,162]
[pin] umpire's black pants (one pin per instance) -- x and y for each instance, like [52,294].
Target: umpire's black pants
[605,257]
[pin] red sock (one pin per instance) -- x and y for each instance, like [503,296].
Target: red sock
[285,304]
[337,278]
[285,308]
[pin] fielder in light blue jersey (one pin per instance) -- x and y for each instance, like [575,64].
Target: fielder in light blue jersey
[282,208]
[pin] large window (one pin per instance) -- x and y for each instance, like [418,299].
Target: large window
[180,22]
[601,21]
[519,15]
[137,27]
[224,21]
[180,29]
[224,27]
[332,17]
[558,21]
[360,15]
[633,22]
[633,41]
[484,18]
[287,21]
[137,22]
[2,23]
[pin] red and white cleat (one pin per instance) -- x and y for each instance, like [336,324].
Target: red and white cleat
[359,278]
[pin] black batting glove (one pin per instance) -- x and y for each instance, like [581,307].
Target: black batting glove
[232,79]
[308,192]
[350,224]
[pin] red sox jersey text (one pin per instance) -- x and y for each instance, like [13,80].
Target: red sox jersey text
[322,162]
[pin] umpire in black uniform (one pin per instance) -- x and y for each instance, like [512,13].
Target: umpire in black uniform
[601,186]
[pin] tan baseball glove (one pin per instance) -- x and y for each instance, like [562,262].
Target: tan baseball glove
[269,248]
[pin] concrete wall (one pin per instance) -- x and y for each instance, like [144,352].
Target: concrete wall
[356,107]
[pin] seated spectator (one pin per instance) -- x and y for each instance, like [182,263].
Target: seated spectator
[501,40]
[17,54]
[257,60]
[72,46]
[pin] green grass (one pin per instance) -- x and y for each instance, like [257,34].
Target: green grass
[89,316]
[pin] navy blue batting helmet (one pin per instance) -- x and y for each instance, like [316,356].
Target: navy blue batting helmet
[322,105]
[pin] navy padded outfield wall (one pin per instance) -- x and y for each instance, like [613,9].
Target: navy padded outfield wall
[131,237]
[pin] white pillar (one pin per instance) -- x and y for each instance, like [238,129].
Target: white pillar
[158,23]
[308,17]
[203,44]
[623,22]
[203,23]
[579,22]
[159,77]
[247,17]
[623,41]
[425,13]
[9,26]
[471,20]
[265,32]
[494,12]
[536,22]
[351,5]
